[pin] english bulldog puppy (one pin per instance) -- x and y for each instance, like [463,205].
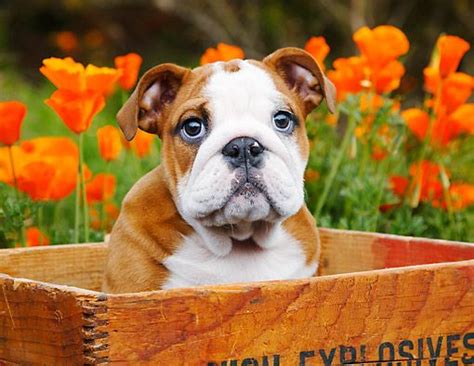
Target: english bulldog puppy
[226,204]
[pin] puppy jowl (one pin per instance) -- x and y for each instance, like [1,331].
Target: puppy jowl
[227,203]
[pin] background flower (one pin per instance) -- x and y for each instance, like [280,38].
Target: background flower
[11,118]
[129,65]
[101,188]
[110,143]
[223,52]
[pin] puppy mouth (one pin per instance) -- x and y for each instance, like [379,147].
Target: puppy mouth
[246,201]
[249,184]
[246,245]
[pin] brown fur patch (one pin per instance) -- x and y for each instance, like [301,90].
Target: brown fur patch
[148,229]
[302,227]
[232,66]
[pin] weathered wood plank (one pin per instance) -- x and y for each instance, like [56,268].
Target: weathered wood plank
[49,325]
[345,251]
[82,265]
[79,265]
[364,317]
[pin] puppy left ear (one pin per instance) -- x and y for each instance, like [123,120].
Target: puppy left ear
[303,75]
[155,91]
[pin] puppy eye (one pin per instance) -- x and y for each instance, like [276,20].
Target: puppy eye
[284,121]
[193,130]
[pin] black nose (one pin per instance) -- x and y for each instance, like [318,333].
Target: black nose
[243,150]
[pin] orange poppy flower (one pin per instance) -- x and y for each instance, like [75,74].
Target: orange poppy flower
[130,66]
[451,51]
[76,109]
[399,185]
[67,74]
[61,152]
[455,91]
[311,175]
[445,127]
[417,121]
[142,143]
[101,79]
[223,52]
[432,79]
[35,180]
[462,195]
[11,118]
[388,78]
[66,41]
[20,158]
[110,144]
[51,147]
[55,159]
[463,117]
[426,177]
[381,45]
[318,48]
[35,237]
[101,188]
[348,76]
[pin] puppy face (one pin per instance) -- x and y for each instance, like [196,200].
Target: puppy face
[252,151]
[234,138]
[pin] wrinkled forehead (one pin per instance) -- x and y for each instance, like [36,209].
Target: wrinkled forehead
[240,88]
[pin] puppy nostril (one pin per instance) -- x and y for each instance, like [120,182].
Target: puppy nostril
[255,149]
[234,151]
[231,150]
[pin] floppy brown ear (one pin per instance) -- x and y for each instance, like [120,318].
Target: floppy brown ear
[144,109]
[302,73]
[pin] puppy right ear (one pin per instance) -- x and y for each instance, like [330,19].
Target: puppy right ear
[146,106]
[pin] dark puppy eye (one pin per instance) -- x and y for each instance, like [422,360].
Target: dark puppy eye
[193,130]
[284,121]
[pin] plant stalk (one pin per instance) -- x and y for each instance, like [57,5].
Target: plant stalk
[335,165]
[85,208]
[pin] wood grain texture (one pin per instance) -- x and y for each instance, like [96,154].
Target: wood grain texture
[366,317]
[195,327]
[345,251]
[79,265]
[50,325]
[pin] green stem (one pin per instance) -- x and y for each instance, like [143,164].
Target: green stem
[78,204]
[335,165]
[381,174]
[447,198]
[17,195]
[85,208]
[56,223]
[40,216]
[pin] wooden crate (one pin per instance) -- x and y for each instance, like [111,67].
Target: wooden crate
[382,300]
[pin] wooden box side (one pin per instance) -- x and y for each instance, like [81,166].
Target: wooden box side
[82,265]
[46,325]
[79,265]
[421,313]
[345,251]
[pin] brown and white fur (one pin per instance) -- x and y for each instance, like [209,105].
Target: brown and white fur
[195,220]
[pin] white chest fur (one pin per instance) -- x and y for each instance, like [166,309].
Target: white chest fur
[193,264]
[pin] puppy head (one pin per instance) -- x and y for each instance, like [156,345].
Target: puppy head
[234,137]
